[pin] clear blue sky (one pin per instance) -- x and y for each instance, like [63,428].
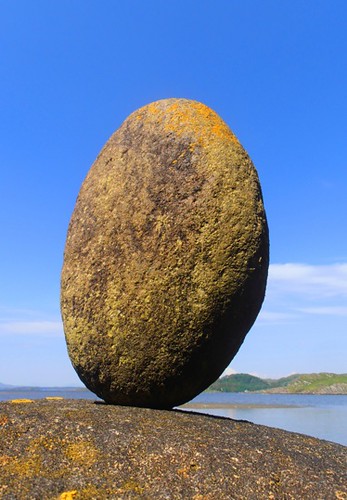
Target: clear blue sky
[276,71]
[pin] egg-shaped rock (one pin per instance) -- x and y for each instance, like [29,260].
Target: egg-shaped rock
[166,257]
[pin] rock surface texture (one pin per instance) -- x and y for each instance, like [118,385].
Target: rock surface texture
[166,257]
[78,450]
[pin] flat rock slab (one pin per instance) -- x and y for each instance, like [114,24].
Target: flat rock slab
[77,449]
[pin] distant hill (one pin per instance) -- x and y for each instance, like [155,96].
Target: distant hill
[312,383]
[308,383]
[5,386]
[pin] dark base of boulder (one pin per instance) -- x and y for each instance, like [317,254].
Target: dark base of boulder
[76,449]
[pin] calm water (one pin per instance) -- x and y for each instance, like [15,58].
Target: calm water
[322,416]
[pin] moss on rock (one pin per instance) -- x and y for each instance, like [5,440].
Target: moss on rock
[166,257]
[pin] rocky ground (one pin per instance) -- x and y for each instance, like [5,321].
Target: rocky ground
[77,449]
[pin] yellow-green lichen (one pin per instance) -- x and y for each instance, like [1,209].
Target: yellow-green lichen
[21,401]
[68,495]
[82,453]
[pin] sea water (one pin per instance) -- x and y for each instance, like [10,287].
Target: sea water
[321,416]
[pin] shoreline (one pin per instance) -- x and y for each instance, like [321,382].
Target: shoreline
[230,406]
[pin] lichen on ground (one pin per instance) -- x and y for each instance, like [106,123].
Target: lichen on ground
[78,450]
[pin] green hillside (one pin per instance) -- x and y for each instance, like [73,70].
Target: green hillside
[313,383]
[239,382]
[319,383]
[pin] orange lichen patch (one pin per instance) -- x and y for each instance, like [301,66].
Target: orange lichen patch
[200,120]
[183,472]
[20,401]
[83,453]
[54,398]
[186,470]
[153,108]
[184,117]
[192,119]
[92,492]
[3,420]
[223,131]
[341,495]
[68,495]
[4,459]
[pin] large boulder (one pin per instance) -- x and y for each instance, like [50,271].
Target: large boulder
[77,450]
[166,257]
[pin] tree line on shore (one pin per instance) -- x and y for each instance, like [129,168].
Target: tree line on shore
[315,383]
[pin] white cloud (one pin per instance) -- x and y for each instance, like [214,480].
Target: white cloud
[266,316]
[9,314]
[297,290]
[228,371]
[40,328]
[304,279]
[329,310]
